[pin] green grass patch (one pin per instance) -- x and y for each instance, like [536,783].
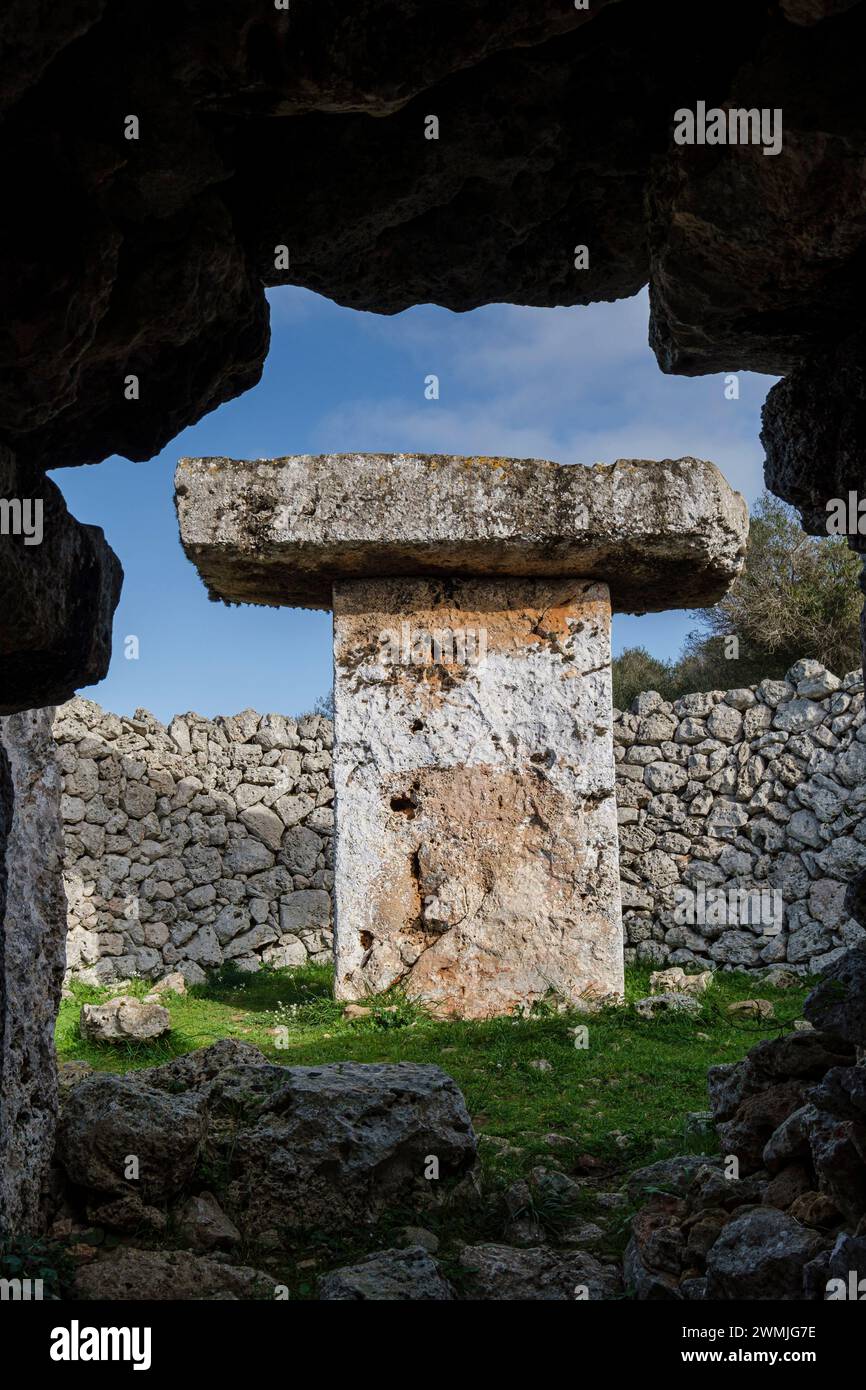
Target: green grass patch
[623,1098]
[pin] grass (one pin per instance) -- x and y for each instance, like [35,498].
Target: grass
[623,1098]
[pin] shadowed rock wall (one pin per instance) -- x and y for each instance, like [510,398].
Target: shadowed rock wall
[31,957]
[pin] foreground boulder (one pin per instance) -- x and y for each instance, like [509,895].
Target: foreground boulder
[343,1143]
[168,1275]
[107,1119]
[390,1275]
[124,1020]
[291,1147]
[837,1003]
[761,1254]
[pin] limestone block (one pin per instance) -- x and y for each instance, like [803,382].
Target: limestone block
[280,531]
[477,859]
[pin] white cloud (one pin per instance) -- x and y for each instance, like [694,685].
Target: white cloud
[576,385]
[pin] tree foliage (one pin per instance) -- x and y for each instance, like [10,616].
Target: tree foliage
[797,596]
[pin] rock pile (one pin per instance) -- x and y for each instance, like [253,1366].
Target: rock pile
[728,797]
[235,1153]
[788,1218]
[187,846]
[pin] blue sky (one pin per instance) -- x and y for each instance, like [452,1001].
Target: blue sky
[578,385]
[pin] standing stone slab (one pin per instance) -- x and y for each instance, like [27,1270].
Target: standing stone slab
[477,860]
[476,847]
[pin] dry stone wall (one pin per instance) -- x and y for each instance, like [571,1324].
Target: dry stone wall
[742,816]
[194,844]
[729,798]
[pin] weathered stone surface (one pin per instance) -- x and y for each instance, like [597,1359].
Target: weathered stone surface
[673,1175]
[158,1275]
[806,1184]
[664,846]
[32,930]
[502,1273]
[747,1132]
[670,1002]
[208,872]
[838,1003]
[817,412]
[476,849]
[556,126]
[338,1144]
[283,531]
[677,980]
[204,1226]
[326,1146]
[106,1118]
[388,1276]
[761,1254]
[59,596]
[748,862]
[124,1019]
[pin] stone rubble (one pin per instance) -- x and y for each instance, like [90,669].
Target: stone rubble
[793,1114]
[124,1019]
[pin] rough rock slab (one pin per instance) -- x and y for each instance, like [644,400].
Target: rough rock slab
[477,856]
[32,934]
[299,1146]
[388,1276]
[283,531]
[761,1254]
[338,1144]
[838,1001]
[158,1275]
[106,1118]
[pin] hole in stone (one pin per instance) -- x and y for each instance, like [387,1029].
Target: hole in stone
[367,940]
[418,725]
[405,805]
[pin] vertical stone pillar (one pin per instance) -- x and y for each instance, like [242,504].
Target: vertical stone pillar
[477,860]
[32,947]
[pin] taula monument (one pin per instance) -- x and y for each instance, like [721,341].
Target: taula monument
[476,858]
